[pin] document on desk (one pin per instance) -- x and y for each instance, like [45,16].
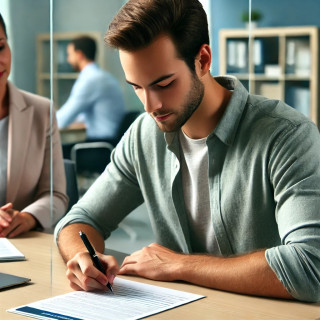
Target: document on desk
[8,252]
[131,300]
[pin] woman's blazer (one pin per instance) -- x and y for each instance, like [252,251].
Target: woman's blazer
[28,179]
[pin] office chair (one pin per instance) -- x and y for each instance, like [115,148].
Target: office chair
[90,159]
[72,185]
[128,118]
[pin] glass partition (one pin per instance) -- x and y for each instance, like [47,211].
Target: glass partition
[275,55]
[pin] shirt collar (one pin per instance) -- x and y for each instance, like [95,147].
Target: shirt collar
[90,66]
[228,125]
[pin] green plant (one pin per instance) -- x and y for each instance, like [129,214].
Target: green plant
[255,16]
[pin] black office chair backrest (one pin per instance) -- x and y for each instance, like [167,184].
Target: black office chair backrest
[72,185]
[91,157]
[128,118]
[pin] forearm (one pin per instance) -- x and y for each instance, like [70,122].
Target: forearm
[248,274]
[70,243]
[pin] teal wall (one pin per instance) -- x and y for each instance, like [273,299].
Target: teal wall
[28,18]
[31,17]
[276,13]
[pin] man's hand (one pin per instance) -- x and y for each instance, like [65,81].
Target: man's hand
[83,275]
[248,274]
[154,262]
[14,222]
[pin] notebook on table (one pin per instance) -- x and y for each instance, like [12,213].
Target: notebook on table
[8,252]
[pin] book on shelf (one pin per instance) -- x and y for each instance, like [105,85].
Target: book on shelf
[237,56]
[258,58]
[298,58]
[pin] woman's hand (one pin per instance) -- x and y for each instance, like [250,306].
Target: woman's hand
[14,222]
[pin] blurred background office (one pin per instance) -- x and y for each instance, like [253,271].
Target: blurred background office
[277,57]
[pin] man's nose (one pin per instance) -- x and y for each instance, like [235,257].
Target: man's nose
[152,102]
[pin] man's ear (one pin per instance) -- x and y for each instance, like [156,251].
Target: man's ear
[203,60]
[80,54]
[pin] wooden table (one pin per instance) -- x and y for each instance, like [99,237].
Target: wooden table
[47,271]
[76,132]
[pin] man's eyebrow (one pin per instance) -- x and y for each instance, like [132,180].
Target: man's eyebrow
[155,81]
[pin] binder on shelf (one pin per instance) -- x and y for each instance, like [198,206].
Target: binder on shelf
[258,56]
[290,59]
[298,58]
[302,100]
[237,56]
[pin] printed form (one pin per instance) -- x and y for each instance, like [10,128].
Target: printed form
[131,300]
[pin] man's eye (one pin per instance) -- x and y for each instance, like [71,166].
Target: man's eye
[135,87]
[162,86]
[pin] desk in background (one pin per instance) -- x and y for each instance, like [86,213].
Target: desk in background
[76,132]
[48,281]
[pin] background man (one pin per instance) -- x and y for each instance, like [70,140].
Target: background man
[96,94]
[230,180]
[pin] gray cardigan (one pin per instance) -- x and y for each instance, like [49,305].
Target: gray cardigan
[264,183]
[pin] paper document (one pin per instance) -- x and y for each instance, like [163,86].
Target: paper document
[131,300]
[8,252]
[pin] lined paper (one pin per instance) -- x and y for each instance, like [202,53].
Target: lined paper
[131,300]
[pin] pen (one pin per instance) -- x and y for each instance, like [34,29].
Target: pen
[93,255]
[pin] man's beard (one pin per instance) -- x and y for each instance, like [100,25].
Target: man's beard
[190,105]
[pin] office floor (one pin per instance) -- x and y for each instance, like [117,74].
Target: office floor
[134,233]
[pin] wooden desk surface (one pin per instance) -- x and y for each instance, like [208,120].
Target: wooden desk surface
[76,132]
[47,271]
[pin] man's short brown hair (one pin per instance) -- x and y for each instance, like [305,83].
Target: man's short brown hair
[140,22]
[86,45]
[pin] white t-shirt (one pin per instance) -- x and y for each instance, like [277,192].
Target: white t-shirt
[194,167]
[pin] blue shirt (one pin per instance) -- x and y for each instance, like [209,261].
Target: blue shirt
[96,95]
[264,187]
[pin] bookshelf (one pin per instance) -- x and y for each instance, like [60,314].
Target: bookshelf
[63,74]
[280,63]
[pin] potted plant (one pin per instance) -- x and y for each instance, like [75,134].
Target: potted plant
[256,16]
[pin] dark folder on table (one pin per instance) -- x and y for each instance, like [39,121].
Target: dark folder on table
[10,280]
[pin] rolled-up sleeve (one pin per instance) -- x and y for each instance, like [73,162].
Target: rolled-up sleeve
[295,174]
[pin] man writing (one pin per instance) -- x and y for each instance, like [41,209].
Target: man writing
[230,180]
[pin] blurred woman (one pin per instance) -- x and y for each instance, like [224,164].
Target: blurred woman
[25,157]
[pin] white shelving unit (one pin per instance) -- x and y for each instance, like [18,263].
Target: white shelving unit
[63,74]
[280,63]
